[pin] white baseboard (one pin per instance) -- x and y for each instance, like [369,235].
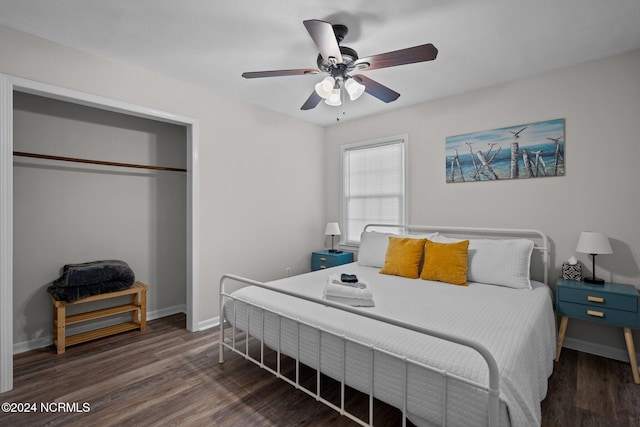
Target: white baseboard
[47,340]
[209,323]
[164,312]
[598,349]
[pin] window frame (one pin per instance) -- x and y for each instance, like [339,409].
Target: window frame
[372,143]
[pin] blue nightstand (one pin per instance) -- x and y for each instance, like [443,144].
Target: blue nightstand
[325,259]
[610,304]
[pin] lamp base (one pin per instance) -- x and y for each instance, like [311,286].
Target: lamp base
[594,281]
[335,251]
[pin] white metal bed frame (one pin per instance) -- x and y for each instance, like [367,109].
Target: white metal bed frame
[493,387]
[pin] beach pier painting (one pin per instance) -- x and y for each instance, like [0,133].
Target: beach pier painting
[531,150]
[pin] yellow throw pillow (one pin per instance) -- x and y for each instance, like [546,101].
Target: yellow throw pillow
[445,262]
[403,257]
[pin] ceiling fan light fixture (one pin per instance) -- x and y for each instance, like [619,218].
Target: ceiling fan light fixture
[354,89]
[334,100]
[325,88]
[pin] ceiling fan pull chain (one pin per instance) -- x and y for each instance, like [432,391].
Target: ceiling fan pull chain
[341,101]
[344,98]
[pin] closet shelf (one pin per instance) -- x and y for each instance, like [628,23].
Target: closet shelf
[96,162]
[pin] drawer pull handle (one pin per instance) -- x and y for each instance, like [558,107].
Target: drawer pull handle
[323,266]
[595,299]
[595,313]
[323,259]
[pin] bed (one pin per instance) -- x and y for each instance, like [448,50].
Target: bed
[443,354]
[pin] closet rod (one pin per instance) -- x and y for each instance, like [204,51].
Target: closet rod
[96,162]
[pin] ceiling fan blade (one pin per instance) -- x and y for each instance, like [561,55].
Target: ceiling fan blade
[278,73]
[376,89]
[311,102]
[323,36]
[410,55]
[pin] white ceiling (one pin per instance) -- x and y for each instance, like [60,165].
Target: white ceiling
[209,43]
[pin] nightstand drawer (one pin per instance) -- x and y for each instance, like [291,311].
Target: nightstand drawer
[609,316]
[599,299]
[323,262]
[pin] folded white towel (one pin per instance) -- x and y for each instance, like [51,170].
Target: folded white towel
[354,302]
[335,278]
[348,294]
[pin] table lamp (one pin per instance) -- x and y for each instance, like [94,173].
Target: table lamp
[593,243]
[333,229]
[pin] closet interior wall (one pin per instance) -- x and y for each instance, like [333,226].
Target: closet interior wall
[69,212]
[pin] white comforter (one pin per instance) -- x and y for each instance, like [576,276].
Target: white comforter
[517,326]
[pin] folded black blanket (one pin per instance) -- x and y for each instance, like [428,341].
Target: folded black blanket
[74,293]
[95,272]
[91,278]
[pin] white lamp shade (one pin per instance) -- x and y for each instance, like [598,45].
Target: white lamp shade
[325,87]
[592,242]
[333,229]
[354,89]
[334,99]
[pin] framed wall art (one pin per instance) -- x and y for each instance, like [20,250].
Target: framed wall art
[531,150]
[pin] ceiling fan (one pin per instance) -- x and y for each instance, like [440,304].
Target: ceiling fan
[340,61]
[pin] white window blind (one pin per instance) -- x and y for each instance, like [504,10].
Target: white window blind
[373,189]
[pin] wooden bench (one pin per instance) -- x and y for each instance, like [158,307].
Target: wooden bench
[138,307]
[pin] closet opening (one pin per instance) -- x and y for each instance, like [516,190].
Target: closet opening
[131,196]
[69,212]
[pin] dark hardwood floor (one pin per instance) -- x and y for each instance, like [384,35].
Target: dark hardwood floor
[168,376]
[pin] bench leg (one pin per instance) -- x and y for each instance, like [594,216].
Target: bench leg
[140,299]
[59,323]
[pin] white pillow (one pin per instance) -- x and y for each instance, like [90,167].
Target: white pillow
[373,246]
[503,262]
[444,239]
[500,262]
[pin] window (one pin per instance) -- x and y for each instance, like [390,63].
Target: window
[373,185]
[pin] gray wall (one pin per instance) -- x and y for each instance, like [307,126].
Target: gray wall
[600,102]
[71,212]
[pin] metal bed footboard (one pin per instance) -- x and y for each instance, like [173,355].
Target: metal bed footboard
[492,389]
